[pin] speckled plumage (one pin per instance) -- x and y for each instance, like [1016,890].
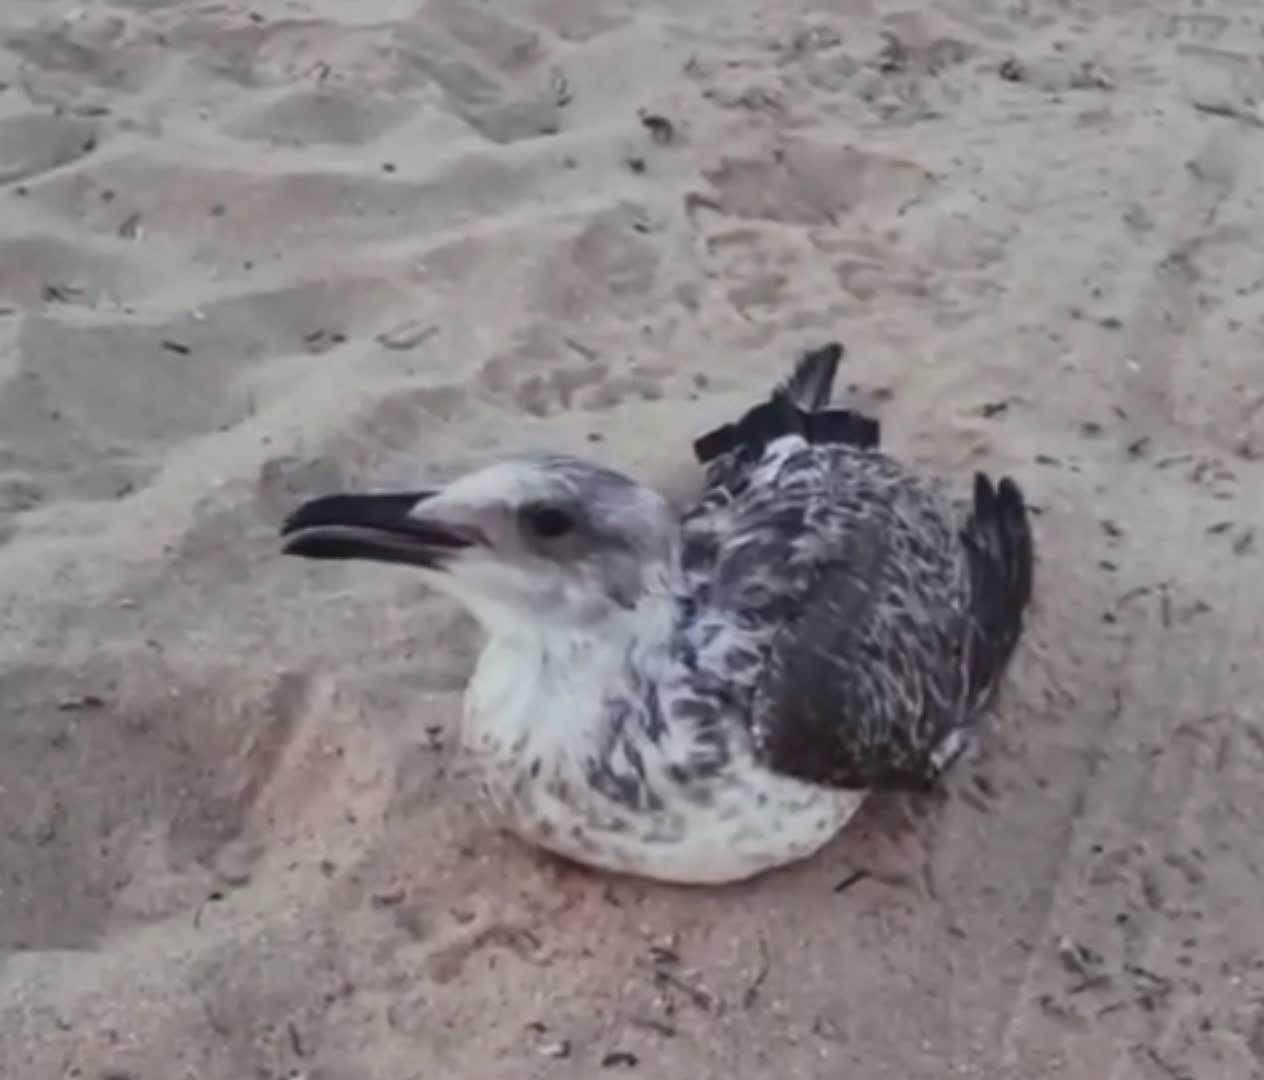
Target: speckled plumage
[703,696]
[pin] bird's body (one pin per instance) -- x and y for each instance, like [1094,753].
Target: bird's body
[701,697]
[586,749]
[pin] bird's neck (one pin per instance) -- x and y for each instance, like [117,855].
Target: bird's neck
[621,633]
[556,679]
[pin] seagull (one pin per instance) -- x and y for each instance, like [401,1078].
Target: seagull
[701,695]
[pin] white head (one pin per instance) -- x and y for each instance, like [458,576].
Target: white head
[540,541]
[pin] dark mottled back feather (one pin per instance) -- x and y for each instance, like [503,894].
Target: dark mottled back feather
[832,602]
[873,628]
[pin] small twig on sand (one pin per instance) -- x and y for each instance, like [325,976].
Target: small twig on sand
[752,992]
[1229,112]
[699,996]
[854,878]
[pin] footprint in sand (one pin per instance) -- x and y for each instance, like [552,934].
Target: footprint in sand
[541,374]
[581,20]
[39,143]
[547,375]
[805,182]
[69,406]
[79,60]
[610,263]
[495,73]
[132,785]
[40,272]
[336,116]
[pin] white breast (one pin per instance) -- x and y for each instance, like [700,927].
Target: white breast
[530,724]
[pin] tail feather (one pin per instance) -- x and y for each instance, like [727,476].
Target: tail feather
[1001,550]
[810,384]
[795,407]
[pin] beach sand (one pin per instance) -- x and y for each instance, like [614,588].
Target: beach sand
[252,254]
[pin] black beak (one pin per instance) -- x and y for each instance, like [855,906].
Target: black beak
[380,528]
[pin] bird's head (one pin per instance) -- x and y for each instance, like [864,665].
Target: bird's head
[538,542]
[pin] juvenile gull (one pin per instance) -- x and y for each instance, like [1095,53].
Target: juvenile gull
[701,697]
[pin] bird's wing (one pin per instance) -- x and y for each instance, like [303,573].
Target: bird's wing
[849,585]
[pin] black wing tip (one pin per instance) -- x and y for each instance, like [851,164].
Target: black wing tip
[829,353]
[1010,495]
[1005,496]
[811,383]
[1004,549]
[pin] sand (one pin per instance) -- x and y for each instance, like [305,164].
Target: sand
[251,254]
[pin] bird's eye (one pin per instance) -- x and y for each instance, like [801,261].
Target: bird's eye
[548,522]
